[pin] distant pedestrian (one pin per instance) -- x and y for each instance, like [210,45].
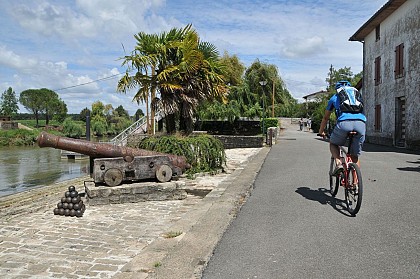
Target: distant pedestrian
[301,124]
[308,124]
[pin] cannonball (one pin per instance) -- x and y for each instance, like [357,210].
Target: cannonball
[67,194]
[72,188]
[68,200]
[61,211]
[76,206]
[59,205]
[73,194]
[56,211]
[65,205]
[72,212]
[79,213]
[70,206]
[63,199]
[67,212]
[75,200]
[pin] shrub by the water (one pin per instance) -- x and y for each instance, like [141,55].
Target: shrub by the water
[17,137]
[72,129]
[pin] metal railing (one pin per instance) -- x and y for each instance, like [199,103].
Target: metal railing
[121,138]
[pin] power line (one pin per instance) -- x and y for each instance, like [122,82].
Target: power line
[82,84]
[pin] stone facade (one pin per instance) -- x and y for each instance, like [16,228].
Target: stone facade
[391,89]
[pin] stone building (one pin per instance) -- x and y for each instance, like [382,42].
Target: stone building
[391,74]
[6,123]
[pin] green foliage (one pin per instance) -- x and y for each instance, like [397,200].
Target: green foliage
[43,101]
[8,103]
[17,137]
[234,69]
[99,125]
[139,113]
[248,97]
[84,113]
[121,112]
[120,124]
[341,74]
[269,122]
[203,152]
[72,129]
[185,71]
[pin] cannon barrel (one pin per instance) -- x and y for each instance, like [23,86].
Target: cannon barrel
[103,150]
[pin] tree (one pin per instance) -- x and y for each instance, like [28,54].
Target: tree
[139,113]
[248,98]
[9,102]
[121,112]
[32,101]
[180,68]
[84,113]
[345,73]
[233,69]
[43,100]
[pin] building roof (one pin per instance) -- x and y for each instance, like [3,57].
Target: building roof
[313,95]
[376,19]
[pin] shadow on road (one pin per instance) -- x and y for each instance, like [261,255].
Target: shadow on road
[321,195]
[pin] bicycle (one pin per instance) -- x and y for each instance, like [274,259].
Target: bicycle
[349,177]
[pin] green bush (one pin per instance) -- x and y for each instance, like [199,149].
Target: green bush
[99,128]
[203,152]
[269,122]
[18,137]
[72,129]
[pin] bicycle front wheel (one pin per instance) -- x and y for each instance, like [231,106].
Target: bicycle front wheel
[334,180]
[354,189]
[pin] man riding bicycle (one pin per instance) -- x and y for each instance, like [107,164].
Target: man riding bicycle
[348,105]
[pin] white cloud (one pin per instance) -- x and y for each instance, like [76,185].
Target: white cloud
[300,48]
[10,59]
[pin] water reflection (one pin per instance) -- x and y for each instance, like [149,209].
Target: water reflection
[23,168]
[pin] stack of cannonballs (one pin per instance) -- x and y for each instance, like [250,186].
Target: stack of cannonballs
[71,204]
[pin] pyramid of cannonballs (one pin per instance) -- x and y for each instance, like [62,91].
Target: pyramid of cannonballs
[71,204]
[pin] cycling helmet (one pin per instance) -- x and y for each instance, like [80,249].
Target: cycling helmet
[342,83]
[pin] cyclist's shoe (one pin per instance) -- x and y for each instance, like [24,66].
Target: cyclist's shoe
[337,170]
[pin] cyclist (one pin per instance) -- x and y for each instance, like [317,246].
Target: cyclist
[348,119]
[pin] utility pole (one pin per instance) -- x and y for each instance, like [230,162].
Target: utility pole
[272,106]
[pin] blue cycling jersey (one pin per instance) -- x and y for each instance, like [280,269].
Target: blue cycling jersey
[334,103]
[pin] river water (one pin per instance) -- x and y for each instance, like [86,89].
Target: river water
[24,168]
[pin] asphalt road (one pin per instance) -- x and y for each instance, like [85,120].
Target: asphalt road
[290,227]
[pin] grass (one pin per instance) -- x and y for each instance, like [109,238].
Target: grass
[157,264]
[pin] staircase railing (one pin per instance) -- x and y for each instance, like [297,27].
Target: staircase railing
[121,138]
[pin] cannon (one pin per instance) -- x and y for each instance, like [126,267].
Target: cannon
[114,164]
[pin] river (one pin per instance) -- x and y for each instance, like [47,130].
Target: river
[24,168]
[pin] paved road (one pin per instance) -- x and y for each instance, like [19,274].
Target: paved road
[291,228]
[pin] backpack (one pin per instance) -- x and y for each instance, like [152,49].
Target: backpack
[350,100]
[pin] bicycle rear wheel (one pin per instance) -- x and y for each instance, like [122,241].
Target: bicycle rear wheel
[334,180]
[354,189]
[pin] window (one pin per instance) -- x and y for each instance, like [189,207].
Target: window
[377,70]
[399,61]
[378,32]
[377,117]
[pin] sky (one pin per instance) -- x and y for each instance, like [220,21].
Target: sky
[75,47]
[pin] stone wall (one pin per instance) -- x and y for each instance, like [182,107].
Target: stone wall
[8,125]
[230,142]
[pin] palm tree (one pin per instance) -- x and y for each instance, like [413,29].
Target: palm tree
[182,69]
